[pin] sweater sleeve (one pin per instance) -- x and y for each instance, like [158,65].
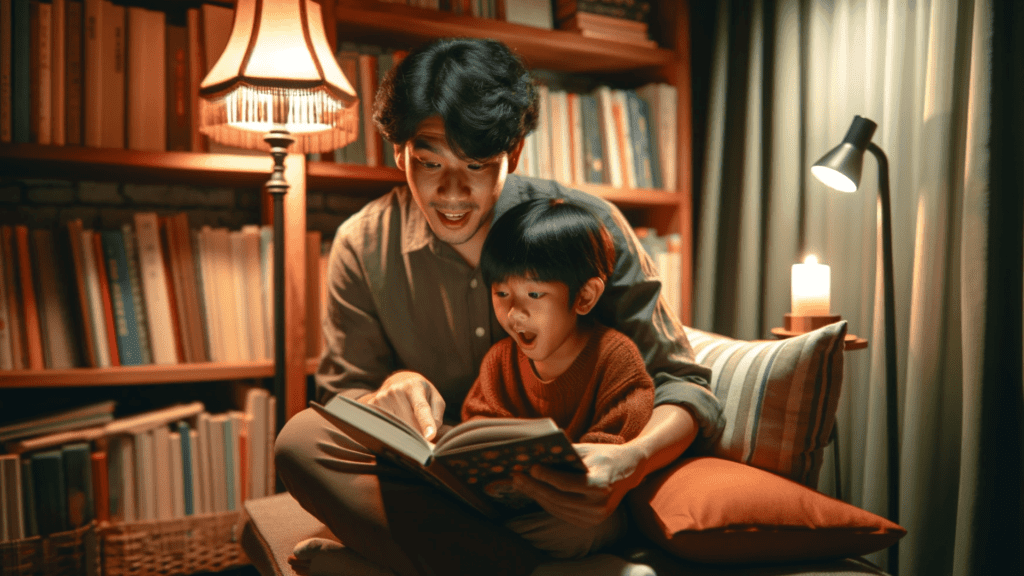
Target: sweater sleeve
[626,400]
[488,398]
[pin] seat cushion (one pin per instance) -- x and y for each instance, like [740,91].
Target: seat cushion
[277,523]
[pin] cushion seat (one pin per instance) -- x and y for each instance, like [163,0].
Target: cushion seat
[276,523]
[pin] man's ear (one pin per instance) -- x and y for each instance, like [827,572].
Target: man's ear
[513,156]
[588,296]
[400,156]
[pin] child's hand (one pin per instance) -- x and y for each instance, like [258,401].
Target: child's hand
[412,398]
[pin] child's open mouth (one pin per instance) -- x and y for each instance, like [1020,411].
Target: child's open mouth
[527,338]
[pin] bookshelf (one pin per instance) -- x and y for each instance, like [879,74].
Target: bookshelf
[397,25]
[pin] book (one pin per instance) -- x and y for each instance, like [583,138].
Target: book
[473,461]
[217,470]
[97,311]
[21,63]
[104,78]
[178,81]
[89,339]
[49,492]
[74,72]
[81,417]
[6,31]
[136,287]
[154,288]
[78,481]
[204,479]
[196,72]
[59,348]
[29,303]
[121,479]
[126,325]
[58,65]
[100,485]
[172,296]
[176,474]
[145,482]
[638,10]
[19,360]
[609,138]
[593,154]
[146,100]
[646,162]
[245,331]
[28,488]
[182,270]
[536,13]
[186,439]
[662,101]
[12,497]
[6,353]
[623,137]
[41,13]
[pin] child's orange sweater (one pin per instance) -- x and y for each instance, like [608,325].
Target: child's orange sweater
[605,396]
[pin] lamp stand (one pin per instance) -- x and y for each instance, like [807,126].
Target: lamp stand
[888,287]
[279,140]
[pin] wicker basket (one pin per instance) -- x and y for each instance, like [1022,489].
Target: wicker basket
[70,553]
[206,543]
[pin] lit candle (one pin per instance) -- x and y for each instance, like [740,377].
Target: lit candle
[811,288]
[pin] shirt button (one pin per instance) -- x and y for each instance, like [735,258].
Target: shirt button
[480,332]
[473,283]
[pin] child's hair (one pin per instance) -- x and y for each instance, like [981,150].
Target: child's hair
[548,240]
[480,89]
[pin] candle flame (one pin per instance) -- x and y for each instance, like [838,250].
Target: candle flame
[811,259]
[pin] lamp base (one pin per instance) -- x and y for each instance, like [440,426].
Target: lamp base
[796,325]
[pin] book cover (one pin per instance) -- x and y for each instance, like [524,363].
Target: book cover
[474,460]
[256,418]
[74,70]
[6,357]
[126,325]
[121,479]
[258,323]
[232,460]
[145,488]
[104,79]
[207,297]
[183,272]
[154,288]
[88,341]
[166,243]
[162,477]
[544,134]
[536,13]
[28,489]
[623,137]
[637,10]
[609,138]
[196,73]
[19,360]
[41,13]
[175,474]
[217,465]
[49,492]
[78,480]
[103,280]
[645,156]
[29,304]
[245,332]
[593,154]
[204,482]
[662,101]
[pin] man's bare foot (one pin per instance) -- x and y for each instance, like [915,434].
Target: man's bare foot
[596,565]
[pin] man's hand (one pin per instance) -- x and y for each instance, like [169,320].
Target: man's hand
[612,471]
[412,398]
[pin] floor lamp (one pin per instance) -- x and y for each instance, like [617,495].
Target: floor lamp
[277,87]
[840,169]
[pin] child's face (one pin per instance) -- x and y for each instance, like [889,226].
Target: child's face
[538,315]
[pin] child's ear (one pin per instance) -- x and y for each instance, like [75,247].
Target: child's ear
[399,151]
[588,296]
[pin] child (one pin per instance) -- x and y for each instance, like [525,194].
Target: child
[547,262]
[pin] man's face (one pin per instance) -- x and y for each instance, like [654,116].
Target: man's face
[456,195]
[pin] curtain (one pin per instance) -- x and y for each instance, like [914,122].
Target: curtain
[776,85]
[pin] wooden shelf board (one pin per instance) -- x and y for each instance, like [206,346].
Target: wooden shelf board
[376,23]
[352,178]
[134,375]
[629,197]
[110,164]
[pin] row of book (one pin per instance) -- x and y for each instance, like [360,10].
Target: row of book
[161,465]
[152,292]
[105,74]
[621,138]
[539,13]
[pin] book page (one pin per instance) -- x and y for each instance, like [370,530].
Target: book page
[489,430]
[375,429]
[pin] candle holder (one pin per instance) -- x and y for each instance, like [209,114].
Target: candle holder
[795,325]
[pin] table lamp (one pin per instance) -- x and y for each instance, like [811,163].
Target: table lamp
[840,169]
[275,86]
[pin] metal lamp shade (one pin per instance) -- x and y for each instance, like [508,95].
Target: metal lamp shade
[840,168]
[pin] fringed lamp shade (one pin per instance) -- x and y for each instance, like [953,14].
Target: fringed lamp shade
[278,73]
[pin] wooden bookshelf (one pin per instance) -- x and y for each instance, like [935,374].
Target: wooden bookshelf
[377,23]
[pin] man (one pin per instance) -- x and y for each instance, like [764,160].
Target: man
[409,322]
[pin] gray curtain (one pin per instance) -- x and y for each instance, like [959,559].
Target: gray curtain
[776,85]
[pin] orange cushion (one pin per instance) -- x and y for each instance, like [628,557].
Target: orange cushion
[713,510]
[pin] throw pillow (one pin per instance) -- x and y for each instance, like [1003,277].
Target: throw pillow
[779,397]
[712,510]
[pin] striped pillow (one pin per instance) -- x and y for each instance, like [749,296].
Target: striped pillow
[779,397]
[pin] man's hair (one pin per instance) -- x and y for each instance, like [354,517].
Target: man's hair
[548,240]
[480,89]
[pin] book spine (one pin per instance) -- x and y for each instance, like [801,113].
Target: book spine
[58,67]
[188,464]
[33,337]
[6,356]
[101,485]
[112,69]
[103,282]
[175,474]
[49,491]
[54,317]
[6,58]
[640,139]
[95,300]
[154,286]
[43,72]
[126,325]
[179,109]
[28,486]
[77,459]
[21,82]
[75,230]
[145,487]
[74,72]
[142,321]
[12,496]
[623,137]
[168,247]
[19,348]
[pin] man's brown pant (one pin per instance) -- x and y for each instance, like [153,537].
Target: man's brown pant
[389,518]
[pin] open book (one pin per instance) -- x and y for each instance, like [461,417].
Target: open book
[473,460]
